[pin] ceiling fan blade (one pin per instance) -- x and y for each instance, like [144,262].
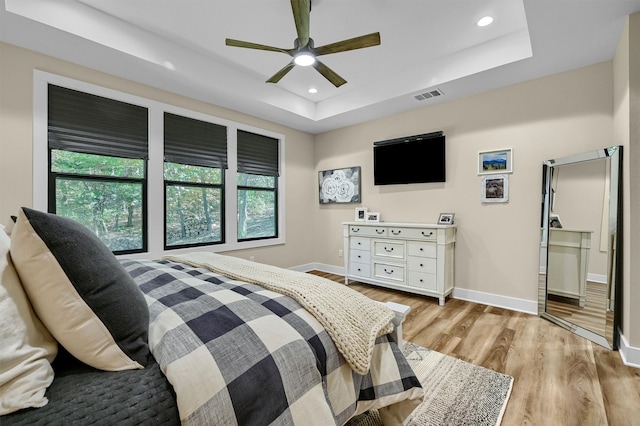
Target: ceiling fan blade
[277,76]
[249,45]
[361,42]
[329,74]
[301,11]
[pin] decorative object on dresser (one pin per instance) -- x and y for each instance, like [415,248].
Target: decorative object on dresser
[339,186]
[446,218]
[372,217]
[361,214]
[413,257]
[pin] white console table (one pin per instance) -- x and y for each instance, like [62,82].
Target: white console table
[413,257]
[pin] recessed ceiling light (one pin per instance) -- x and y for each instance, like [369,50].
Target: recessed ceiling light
[485,21]
[313,90]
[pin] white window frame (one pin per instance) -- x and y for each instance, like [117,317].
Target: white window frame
[155,171]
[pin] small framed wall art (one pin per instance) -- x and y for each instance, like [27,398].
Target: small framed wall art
[373,217]
[497,161]
[446,219]
[361,214]
[495,189]
[339,185]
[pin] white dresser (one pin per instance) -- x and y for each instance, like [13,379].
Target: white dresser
[568,263]
[413,257]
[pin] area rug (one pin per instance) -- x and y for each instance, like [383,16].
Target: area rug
[456,392]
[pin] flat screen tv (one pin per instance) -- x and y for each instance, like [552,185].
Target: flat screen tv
[413,159]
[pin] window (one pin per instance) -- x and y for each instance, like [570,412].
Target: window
[97,165]
[195,155]
[257,186]
[148,177]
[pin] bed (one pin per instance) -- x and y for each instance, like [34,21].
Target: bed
[193,339]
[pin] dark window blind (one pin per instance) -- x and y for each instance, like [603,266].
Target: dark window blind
[257,154]
[194,142]
[91,124]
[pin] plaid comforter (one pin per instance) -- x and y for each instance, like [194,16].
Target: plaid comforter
[236,353]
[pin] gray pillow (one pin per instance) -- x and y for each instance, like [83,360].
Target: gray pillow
[80,291]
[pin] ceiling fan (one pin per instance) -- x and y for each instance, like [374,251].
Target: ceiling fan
[304,53]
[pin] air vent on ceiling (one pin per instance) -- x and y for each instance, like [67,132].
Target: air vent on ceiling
[428,95]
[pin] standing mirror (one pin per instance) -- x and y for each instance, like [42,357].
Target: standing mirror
[579,250]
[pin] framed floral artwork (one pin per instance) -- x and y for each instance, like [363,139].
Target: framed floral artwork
[339,185]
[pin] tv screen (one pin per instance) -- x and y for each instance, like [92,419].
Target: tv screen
[415,159]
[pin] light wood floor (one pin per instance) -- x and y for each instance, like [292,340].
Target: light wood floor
[592,316]
[560,379]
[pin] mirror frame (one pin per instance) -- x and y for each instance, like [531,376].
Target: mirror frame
[614,259]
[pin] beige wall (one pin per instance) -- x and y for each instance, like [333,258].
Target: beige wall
[497,246]
[626,65]
[16,120]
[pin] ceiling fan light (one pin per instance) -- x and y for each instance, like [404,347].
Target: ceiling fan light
[304,59]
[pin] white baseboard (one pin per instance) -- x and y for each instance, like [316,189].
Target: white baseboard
[597,278]
[511,303]
[520,305]
[630,355]
[315,266]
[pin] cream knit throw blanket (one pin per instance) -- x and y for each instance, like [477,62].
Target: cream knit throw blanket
[352,320]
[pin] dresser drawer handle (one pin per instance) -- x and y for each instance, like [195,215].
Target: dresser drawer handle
[421,265]
[359,257]
[388,250]
[359,243]
[389,271]
[396,232]
[421,280]
[355,229]
[425,235]
[380,231]
[421,249]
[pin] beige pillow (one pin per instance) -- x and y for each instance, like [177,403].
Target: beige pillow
[26,347]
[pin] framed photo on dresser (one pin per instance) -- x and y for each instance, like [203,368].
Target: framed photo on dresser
[446,218]
[361,214]
[373,217]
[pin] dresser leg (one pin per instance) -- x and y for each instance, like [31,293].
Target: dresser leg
[441,300]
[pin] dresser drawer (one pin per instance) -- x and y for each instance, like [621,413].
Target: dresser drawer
[359,243]
[422,280]
[360,269]
[361,256]
[388,272]
[389,248]
[426,234]
[368,231]
[422,264]
[415,248]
